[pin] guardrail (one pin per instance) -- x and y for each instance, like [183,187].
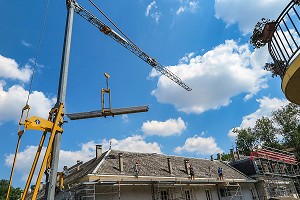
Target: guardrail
[283,38]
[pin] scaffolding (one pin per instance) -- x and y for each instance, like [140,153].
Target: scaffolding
[160,190]
[92,191]
[278,170]
[172,191]
[233,191]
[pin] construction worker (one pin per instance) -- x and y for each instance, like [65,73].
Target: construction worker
[136,170]
[192,172]
[220,172]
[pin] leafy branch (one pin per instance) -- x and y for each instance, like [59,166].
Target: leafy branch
[257,35]
[275,68]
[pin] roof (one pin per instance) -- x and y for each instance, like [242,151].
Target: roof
[152,165]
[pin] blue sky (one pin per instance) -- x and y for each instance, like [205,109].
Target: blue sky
[205,43]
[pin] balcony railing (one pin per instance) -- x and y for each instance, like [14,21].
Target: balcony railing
[283,38]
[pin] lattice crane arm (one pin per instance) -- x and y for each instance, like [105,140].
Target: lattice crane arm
[126,43]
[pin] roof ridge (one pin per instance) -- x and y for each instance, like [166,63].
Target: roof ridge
[104,155]
[159,154]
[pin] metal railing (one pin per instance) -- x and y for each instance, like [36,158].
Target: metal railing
[285,42]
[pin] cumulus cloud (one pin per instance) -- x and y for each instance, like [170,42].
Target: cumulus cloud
[13,100]
[199,145]
[266,107]
[166,128]
[153,12]
[133,144]
[227,70]
[247,13]
[67,158]
[9,69]
[187,6]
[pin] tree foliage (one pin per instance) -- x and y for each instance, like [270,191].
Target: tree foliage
[277,68]
[284,123]
[15,193]
[225,157]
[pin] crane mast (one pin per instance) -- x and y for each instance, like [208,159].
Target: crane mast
[126,43]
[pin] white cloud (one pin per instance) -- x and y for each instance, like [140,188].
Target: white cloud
[26,44]
[10,69]
[13,100]
[187,6]
[133,144]
[153,12]
[166,128]
[67,158]
[199,145]
[266,107]
[247,13]
[220,74]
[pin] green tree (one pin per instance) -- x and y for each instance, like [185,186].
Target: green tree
[288,121]
[265,132]
[246,140]
[284,121]
[225,157]
[15,193]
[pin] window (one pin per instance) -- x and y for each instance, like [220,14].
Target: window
[208,195]
[164,195]
[223,192]
[187,194]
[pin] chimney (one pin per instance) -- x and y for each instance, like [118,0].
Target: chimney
[98,150]
[121,163]
[65,169]
[187,166]
[219,156]
[232,155]
[78,165]
[41,186]
[237,153]
[211,158]
[170,166]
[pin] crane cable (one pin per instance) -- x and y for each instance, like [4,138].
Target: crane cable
[113,23]
[38,50]
[27,107]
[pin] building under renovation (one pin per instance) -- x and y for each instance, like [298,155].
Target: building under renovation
[125,175]
[277,172]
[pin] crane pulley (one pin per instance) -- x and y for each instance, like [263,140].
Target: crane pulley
[128,44]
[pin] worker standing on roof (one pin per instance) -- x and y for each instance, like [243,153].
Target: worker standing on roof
[192,173]
[220,172]
[136,170]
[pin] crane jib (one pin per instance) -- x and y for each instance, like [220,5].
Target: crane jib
[127,44]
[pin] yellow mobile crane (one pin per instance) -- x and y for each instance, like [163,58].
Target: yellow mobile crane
[55,121]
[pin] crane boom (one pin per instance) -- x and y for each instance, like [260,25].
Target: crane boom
[127,44]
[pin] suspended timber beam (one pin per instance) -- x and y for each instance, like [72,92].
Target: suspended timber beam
[105,113]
